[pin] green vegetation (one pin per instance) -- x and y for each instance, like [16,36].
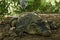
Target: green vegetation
[10,7]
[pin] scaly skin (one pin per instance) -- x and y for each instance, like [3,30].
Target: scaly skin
[31,23]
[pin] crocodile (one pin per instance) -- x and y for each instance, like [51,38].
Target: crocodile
[31,23]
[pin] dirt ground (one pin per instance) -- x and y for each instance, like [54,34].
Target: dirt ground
[7,34]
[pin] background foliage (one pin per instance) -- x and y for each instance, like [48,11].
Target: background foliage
[11,7]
